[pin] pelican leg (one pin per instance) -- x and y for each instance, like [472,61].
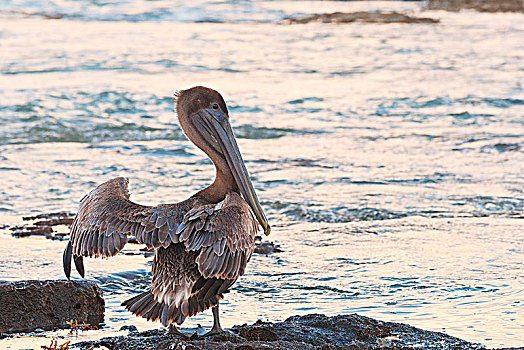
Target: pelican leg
[173,330]
[216,323]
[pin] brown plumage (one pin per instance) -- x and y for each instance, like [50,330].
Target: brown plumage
[202,244]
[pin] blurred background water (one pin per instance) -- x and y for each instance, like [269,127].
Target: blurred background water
[388,157]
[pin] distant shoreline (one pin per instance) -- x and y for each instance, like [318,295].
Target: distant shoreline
[478,5]
[360,16]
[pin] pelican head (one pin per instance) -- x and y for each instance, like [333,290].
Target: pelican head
[204,118]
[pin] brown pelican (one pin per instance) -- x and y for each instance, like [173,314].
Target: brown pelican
[202,244]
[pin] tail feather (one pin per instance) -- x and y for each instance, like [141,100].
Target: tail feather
[155,312]
[146,306]
[134,299]
[208,295]
[166,311]
[145,302]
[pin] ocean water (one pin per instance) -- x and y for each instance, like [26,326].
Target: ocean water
[389,158]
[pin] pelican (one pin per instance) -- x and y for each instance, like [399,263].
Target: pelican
[202,244]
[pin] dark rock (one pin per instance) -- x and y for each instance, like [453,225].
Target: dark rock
[310,332]
[25,231]
[132,240]
[40,14]
[52,219]
[478,5]
[181,346]
[45,225]
[326,347]
[505,147]
[28,305]
[131,328]
[147,252]
[225,337]
[245,347]
[267,248]
[256,333]
[361,16]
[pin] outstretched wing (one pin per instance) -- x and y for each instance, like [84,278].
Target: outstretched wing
[106,217]
[219,240]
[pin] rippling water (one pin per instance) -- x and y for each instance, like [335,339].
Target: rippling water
[388,157]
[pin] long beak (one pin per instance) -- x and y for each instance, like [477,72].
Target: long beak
[218,125]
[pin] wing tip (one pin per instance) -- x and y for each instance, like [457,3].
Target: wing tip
[67,260]
[79,264]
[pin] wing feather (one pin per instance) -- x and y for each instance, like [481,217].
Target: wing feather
[226,230]
[163,236]
[106,216]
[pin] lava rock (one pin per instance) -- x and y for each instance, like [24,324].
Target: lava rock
[310,332]
[245,347]
[28,305]
[361,16]
[258,334]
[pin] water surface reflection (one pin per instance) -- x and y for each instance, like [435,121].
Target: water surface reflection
[388,157]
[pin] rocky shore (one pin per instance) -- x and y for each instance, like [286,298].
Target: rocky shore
[478,5]
[28,306]
[50,225]
[361,16]
[314,332]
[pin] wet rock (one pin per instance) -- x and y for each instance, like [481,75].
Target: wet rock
[226,337]
[38,14]
[52,219]
[326,347]
[478,5]
[131,328]
[361,16]
[314,332]
[245,347]
[266,247]
[507,147]
[26,231]
[256,333]
[187,347]
[26,306]
[50,225]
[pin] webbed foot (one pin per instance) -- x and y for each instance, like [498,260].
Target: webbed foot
[174,331]
[214,330]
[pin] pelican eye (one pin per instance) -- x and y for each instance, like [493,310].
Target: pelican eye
[214,106]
